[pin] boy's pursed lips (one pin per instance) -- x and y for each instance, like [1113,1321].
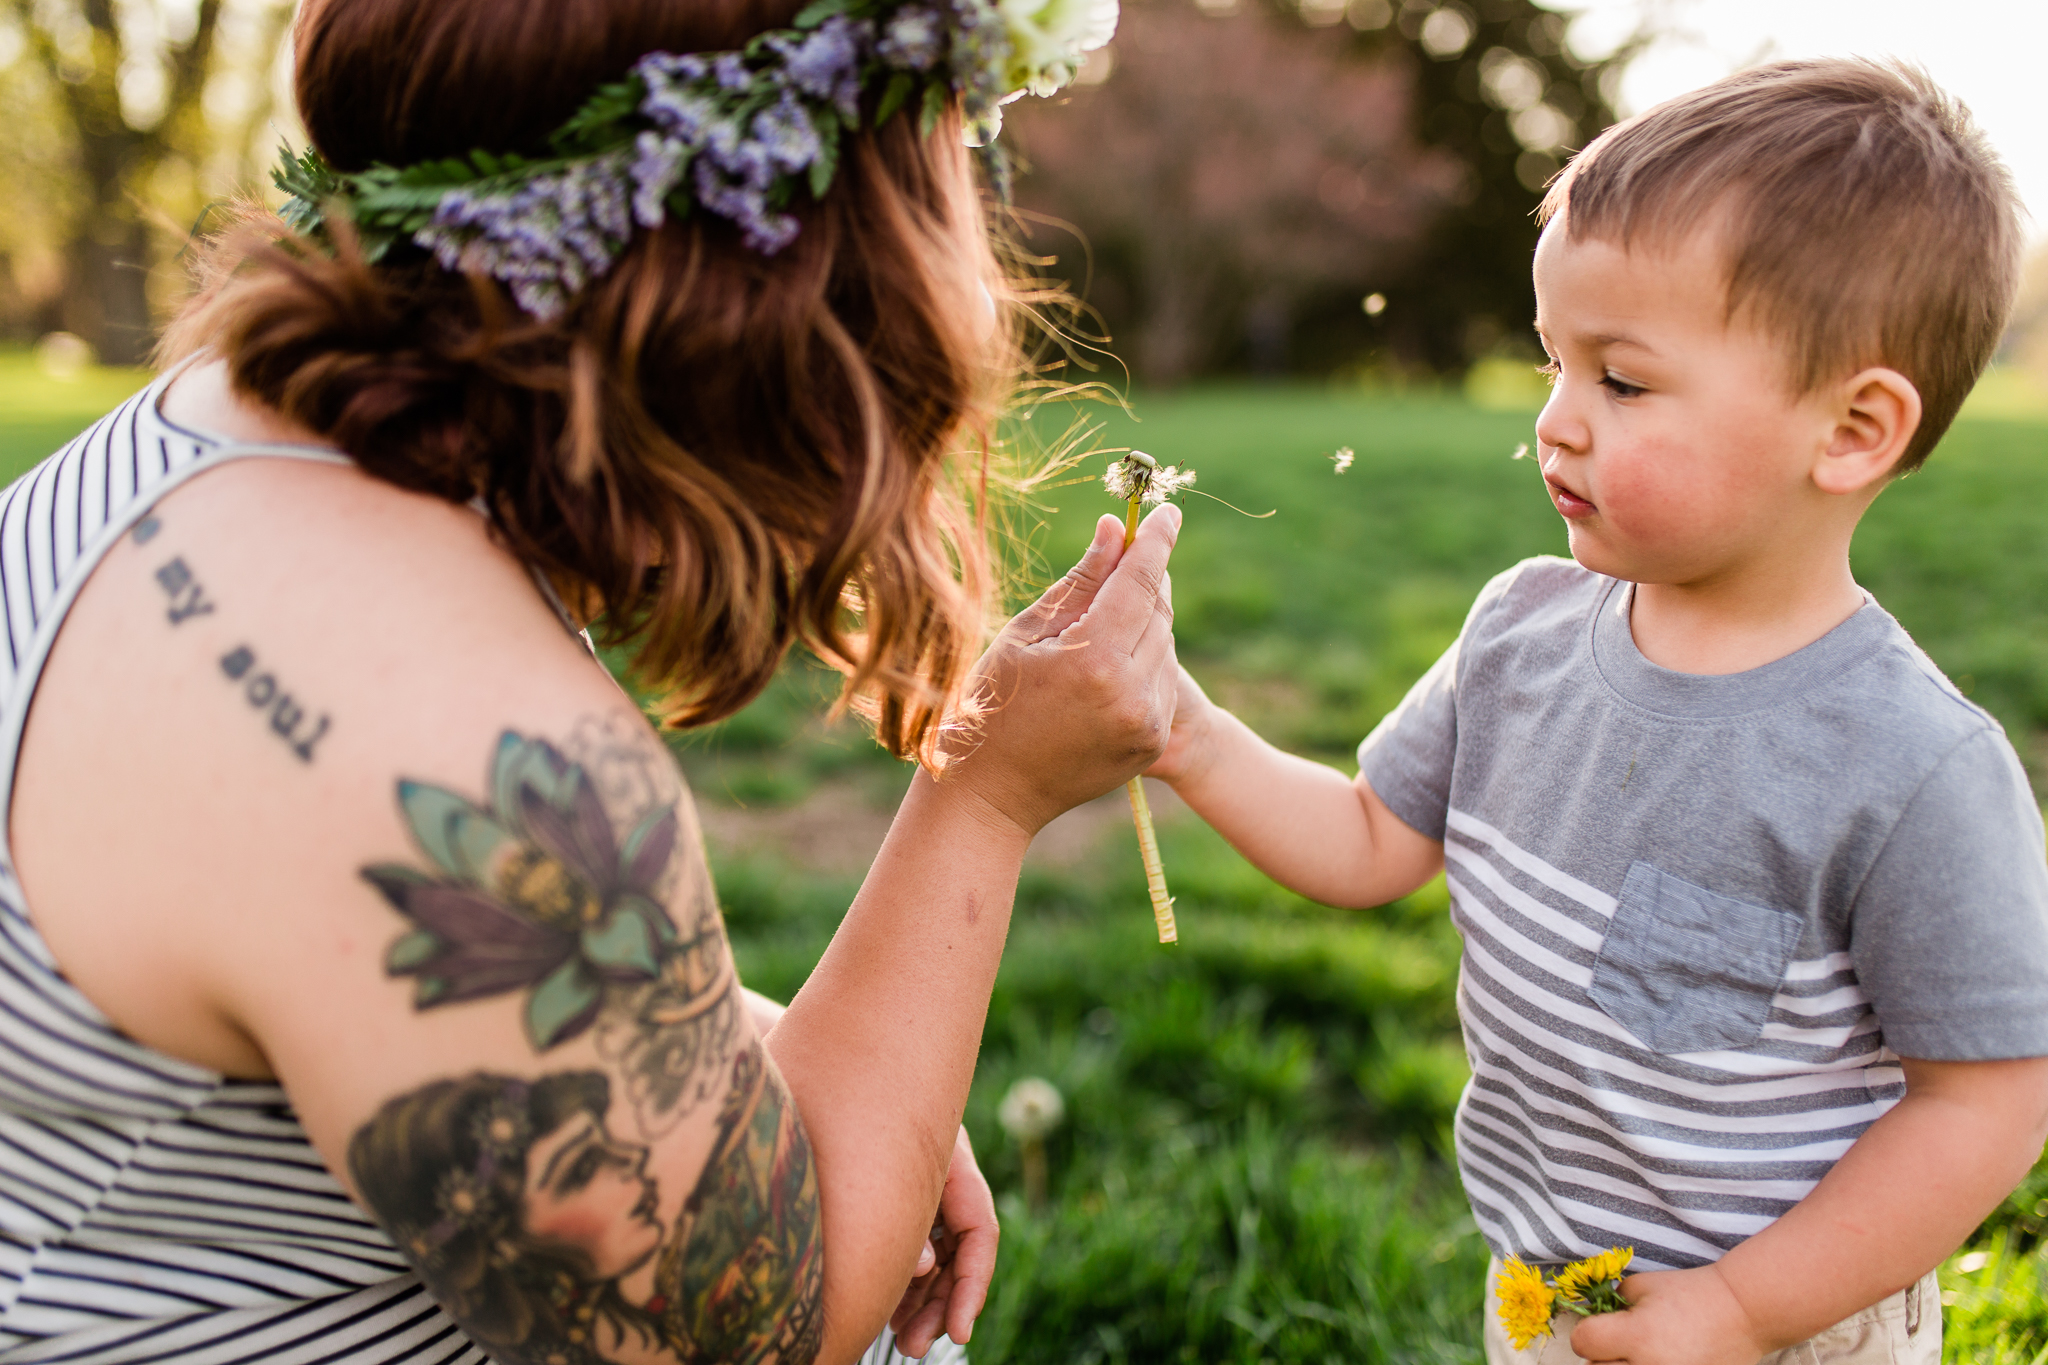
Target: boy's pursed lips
[1567,502]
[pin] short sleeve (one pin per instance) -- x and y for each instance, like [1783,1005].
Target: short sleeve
[1949,933]
[1408,756]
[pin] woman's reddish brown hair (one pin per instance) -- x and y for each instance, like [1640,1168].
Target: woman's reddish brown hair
[717,453]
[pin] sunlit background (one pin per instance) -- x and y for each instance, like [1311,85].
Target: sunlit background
[1298,228]
[1984,51]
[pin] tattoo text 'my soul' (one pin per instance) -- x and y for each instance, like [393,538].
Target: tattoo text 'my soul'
[287,717]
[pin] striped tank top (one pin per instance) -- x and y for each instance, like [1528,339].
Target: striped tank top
[150,1209]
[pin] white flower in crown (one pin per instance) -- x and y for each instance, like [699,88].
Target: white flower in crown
[1049,39]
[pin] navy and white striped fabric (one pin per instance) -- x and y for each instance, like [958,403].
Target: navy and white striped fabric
[1704,917]
[151,1210]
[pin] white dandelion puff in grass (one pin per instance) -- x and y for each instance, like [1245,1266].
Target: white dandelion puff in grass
[1343,458]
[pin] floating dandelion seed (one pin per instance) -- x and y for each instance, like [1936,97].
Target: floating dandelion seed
[1343,458]
[1521,451]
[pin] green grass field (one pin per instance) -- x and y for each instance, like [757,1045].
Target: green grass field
[1253,1163]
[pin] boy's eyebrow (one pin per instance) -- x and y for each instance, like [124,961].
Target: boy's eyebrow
[1607,339]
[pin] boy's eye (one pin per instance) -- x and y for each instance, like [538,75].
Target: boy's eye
[1549,370]
[1620,388]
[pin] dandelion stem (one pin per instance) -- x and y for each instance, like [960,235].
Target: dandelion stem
[1141,812]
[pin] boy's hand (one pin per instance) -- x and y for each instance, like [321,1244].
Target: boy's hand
[1677,1317]
[1187,748]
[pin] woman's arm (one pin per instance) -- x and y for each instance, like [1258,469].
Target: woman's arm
[880,1043]
[472,931]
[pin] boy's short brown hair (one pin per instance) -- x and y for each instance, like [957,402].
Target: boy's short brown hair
[1868,220]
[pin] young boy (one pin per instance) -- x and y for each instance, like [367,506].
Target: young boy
[1754,903]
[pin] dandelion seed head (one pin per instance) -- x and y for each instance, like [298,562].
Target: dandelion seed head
[1343,458]
[1031,1108]
[1521,451]
[1121,482]
[1166,481]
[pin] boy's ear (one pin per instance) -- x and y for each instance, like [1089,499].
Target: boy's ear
[1876,413]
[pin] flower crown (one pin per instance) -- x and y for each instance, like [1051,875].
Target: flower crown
[740,134]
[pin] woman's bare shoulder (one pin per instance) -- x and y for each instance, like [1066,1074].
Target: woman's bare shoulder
[227,713]
[356,811]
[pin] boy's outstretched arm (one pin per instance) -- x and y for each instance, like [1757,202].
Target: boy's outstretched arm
[1903,1197]
[1302,823]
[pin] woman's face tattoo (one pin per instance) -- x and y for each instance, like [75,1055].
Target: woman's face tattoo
[591,1191]
[571,890]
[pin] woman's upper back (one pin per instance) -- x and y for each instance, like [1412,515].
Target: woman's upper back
[148,1202]
[275,684]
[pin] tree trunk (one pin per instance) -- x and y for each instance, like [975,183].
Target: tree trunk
[106,300]
[110,254]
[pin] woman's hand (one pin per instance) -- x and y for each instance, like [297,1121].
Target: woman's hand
[954,1272]
[1076,695]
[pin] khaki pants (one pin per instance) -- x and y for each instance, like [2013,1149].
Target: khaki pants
[1904,1329]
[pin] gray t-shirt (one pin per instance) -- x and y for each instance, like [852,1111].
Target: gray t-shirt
[1704,916]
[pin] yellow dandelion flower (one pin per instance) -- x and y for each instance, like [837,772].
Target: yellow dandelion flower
[1525,1302]
[1575,1279]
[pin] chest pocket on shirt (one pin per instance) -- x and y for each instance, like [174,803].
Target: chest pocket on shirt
[1687,970]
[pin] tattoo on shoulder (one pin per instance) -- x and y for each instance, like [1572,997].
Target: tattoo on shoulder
[186,597]
[539,1227]
[556,885]
[527,1204]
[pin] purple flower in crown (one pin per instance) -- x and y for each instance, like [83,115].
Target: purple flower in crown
[731,70]
[785,133]
[672,67]
[680,111]
[913,39]
[826,63]
[764,230]
[981,48]
[658,166]
[545,239]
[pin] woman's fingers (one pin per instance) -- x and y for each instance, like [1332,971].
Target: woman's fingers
[974,1268]
[969,1208]
[1135,598]
[1067,600]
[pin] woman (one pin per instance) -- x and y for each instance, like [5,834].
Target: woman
[688,355]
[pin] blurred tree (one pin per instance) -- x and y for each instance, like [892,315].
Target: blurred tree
[1230,165]
[1248,173]
[117,94]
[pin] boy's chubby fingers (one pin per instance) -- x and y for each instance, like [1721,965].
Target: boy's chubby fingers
[1602,1338]
[1676,1317]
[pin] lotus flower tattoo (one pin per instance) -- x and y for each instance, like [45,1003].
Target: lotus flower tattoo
[533,892]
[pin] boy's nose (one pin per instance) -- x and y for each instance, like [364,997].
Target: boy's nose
[1557,428]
